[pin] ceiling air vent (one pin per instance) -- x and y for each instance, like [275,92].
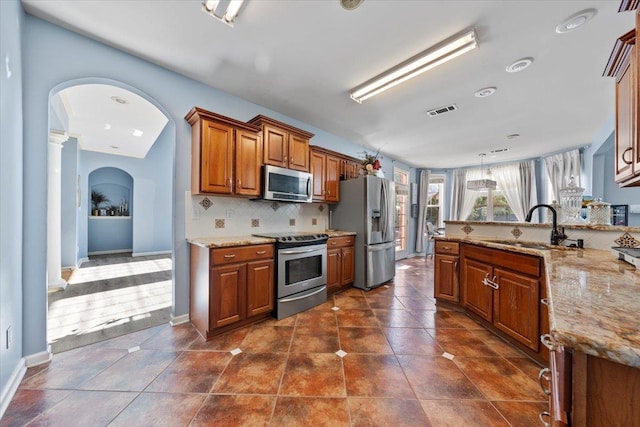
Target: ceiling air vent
[441,110]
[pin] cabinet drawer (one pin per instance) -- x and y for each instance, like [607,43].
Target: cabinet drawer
[240,254]
[525,264]
[340,242]
[446,247]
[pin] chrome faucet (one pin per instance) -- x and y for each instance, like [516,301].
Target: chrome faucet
[557,236]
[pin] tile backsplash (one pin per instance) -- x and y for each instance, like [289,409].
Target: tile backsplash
[235,216]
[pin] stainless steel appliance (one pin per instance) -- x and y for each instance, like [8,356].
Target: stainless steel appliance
[367,206]
[301,271]
[286,185]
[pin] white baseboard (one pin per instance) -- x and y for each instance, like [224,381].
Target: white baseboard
[150,253]
[82,260]
[114,251]
[38,358]
[12,386]
[179,320]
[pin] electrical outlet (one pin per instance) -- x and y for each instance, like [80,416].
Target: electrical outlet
[9,337]
[229,213]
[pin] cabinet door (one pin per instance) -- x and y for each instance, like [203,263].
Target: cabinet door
[227,294]
[446,284]
[275,146]
[216,158]
[318,172]
[332,179]
[515,307]
[248,163]
[333,270]
[260,287]
[347,258]
[625,120]
[476,296]
[298,153]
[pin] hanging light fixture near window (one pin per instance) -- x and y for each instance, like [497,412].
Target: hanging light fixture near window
[485,183]
[223,10]
[430,58]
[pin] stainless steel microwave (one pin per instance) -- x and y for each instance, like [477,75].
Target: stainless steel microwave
[286,185]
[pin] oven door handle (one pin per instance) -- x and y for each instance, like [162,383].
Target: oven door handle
[303,296]
[306,251]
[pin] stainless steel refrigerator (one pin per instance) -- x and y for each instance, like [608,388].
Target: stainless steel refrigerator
[367,206]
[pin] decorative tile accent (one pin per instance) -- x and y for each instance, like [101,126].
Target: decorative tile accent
[341,353]
[516,232]
[321,208]
[627,241]
[255,222]
[334,308]
[219,223]
[292,222]
[206,203]
[314,221]
[236,351]
[467,229]
[275,206]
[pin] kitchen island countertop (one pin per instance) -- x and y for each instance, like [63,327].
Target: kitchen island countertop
[594,299]
[221,242]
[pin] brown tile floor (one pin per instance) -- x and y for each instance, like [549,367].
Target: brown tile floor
[288,373]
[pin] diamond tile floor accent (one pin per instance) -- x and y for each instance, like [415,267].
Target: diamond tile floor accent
[375,362]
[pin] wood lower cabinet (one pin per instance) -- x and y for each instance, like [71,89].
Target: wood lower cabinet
[446,284]
[284,145]
[325,169]
[230,287]
[503,288]
[340,263]
[225,155]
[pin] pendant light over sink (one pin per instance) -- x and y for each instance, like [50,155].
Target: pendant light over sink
[485,183]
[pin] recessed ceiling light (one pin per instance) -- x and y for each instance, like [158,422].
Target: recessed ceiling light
[107,126]
[513,136]
[484,92]
[350,4]
[119,99]
[576,20]
[519,65]
[115,147]
[137,132]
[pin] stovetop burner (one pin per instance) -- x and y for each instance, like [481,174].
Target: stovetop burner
[296,238]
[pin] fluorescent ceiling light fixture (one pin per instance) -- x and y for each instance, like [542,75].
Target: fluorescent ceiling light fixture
[224,10]
[430,58]
[137,132]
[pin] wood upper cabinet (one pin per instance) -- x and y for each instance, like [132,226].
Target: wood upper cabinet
[230,287]
[225,155]
[623,66]
[284,145]
[446,283]
[325,169]
[340,263]
[503,288]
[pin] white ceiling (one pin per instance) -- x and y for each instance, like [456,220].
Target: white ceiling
[109,119]
[301,58]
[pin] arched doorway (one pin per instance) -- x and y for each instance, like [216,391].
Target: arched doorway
[108,124]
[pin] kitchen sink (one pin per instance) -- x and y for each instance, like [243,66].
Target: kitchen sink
[528,245]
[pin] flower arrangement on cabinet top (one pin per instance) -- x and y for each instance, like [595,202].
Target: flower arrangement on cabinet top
[371,162]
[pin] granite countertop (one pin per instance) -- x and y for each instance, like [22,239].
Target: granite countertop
[221,242]
[594,300]
[338,233]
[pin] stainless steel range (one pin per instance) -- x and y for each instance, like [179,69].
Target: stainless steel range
[301,271]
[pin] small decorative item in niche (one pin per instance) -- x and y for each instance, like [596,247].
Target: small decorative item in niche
[627,241]
[206,203]
[371,163]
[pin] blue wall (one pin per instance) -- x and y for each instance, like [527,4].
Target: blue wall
[11,199]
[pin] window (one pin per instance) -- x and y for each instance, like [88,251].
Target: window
[435,201]
[401,178]
[491,206]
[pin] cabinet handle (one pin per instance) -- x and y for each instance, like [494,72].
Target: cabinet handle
[285,159]
[229,182]
[334,243]
[455,265]
[230,256]
[542,416]
[547,341]
[628,150]
[446,248]
[490,283]
[544,375]
[261,252]
[545,301]
[238,181]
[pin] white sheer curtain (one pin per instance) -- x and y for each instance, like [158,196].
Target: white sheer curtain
[462,200]
[422,209]
[560,168]
[517,182]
